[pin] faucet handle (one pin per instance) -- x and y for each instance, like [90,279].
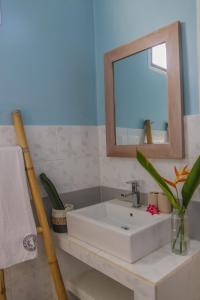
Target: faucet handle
[132,181]
[134,184]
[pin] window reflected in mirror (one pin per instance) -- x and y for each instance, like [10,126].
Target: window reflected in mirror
[159,57]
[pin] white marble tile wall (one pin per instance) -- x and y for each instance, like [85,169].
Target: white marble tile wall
[114,171]
[75,156]
[67,154]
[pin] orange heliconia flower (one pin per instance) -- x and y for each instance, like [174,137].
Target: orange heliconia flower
[181,176]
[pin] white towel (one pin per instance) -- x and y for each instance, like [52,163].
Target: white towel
[18,238]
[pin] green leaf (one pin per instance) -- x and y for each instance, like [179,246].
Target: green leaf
[191,183]
[52,192]
[156,176]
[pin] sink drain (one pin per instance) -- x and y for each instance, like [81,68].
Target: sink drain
[125,227]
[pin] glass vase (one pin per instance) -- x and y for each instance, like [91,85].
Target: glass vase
[179,233]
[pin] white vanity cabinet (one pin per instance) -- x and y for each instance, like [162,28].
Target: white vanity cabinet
[158,276]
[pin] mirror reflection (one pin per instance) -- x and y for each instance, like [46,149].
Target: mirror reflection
[141,98]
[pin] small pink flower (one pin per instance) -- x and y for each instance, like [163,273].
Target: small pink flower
[152,209]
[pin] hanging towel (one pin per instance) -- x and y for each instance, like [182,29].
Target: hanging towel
[18,237]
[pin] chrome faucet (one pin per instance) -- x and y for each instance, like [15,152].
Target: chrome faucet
[134,193]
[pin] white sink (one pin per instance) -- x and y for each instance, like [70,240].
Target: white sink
[122,231]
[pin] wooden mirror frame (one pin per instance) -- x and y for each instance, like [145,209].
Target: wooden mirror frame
[174,149]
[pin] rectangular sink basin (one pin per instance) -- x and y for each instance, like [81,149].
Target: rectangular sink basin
[125,232]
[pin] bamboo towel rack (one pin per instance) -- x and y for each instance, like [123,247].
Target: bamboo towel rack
[43,227]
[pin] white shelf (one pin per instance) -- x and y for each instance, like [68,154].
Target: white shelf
[88,284]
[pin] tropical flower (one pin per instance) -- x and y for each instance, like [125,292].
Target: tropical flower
[181,176]
[191,182]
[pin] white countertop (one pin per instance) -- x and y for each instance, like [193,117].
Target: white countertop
[145,273]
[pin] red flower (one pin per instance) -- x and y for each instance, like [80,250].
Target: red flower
[152,209]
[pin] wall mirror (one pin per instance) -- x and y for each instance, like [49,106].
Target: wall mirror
[143,96]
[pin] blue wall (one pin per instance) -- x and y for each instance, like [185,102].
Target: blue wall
[121,21]
[47,59]
[140,93]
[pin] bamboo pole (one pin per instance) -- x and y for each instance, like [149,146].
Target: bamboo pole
[148,131]
[2,286]
[37,200]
